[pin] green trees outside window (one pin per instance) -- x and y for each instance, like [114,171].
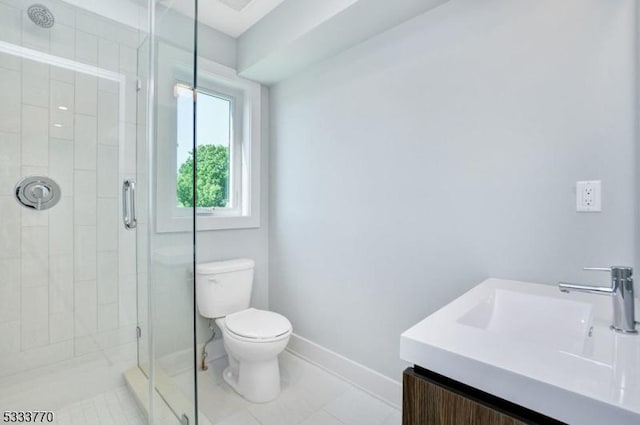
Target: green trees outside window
[212,184]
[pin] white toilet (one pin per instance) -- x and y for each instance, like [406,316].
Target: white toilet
[252,338]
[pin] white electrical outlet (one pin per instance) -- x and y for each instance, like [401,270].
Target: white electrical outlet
[589,196]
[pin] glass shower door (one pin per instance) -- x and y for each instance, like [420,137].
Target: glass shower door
[165,258]
[67,136]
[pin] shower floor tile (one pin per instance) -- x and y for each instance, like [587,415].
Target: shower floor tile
[115,407]
[310,396]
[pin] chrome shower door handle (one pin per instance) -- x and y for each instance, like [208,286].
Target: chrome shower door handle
[129,204]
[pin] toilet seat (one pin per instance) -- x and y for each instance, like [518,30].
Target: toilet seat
[257,325]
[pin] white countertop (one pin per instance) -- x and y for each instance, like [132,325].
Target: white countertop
[562,370]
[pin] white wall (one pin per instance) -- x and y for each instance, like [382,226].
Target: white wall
[410,168]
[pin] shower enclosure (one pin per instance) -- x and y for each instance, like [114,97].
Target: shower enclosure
[91,292]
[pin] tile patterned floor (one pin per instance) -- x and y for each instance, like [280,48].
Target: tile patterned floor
[310,396]
[115,407]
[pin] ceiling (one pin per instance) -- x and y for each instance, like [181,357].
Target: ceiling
[222,14]
[232,17]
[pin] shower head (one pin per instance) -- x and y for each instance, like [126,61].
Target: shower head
[41,15]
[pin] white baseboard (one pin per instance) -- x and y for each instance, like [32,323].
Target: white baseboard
[376,384]
[369,380]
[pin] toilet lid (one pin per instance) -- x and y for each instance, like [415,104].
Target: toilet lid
[258,324]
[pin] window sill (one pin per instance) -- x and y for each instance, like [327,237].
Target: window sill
[207,223]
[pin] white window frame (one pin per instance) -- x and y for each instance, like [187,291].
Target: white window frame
[244,183]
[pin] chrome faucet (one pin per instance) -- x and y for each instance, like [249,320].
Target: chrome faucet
[621,292]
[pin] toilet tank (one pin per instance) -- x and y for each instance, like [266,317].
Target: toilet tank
[224,287]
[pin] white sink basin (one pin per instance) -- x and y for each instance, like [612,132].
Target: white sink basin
[559,324]
[545,350]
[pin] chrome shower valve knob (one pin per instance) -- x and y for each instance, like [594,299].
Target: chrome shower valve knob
[37,192]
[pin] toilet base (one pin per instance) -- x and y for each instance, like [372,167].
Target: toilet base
[254,371]
[257,382]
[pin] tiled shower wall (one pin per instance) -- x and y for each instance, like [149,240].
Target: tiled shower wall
[68,274]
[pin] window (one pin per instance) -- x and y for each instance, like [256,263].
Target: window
[218,155]
[227,155]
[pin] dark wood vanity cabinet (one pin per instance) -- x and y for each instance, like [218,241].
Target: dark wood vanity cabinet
[432,399]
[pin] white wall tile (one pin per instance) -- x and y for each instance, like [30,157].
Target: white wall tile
[35,83]
[9,337]
[85,267]
[62,266]
[86,135]
[10,237]
[107,277]
[108,54]
[132,288]
[108,185]
[107,316]
[34,329]
[63,39]
[128,60]
[36,69]
[35,256]
[85,345]
[107,85]
[108,222]
[61,227]
[12,3]
[91,23]
[127,36]
[60,327]
[61,283]
[9,162]
[33,36]
[10,24]
[9,290]
[31,217]
[127,252]
[65,13]
[36,357]
[10,62]
[85,201]
[86,94]
[143,197]
[35,136]
[108,118]
[61,74]
[86,48]
[32,170]
[142,246]
[131,96]
[86,311]
[127,299]
[61,123]
[10,101]
[130,160]
[61,164]
[113,338]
